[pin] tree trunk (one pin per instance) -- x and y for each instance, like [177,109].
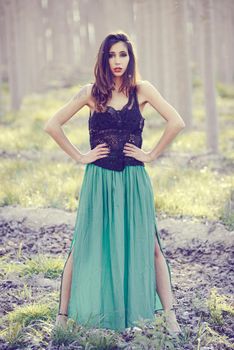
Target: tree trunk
[209,78]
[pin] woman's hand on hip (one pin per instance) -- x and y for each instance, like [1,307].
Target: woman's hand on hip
[131,150]
[100,151]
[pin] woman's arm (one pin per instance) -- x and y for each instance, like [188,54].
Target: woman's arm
[54,125]
[148,93]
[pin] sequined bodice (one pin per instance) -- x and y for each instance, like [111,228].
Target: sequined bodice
[116,127]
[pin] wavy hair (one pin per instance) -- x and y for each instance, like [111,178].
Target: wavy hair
[104,82]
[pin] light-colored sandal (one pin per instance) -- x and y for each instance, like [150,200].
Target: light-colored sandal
[172,322]
[61,320]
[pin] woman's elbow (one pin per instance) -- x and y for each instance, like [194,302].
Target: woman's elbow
[47,128]
[179,125]
[182,125]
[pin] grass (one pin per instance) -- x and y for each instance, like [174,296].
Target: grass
[178,191]
[28,323]
[50,267]
[33,179]
[28,313]
[34,322]
[39,184]
[217,304]
[219,307]
[45,183]
[192,191]
[213,337]
[23,130]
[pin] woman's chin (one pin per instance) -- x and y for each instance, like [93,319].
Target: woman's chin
[118,74]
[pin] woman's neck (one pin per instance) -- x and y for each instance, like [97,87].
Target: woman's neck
[118,82]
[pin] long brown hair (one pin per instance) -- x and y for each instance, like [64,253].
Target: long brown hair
[104,82]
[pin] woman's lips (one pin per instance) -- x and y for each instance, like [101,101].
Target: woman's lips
[117,69]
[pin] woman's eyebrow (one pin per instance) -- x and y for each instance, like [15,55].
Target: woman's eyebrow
[119,51]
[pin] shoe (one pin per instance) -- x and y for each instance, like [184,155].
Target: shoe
[61,320]
[172,324]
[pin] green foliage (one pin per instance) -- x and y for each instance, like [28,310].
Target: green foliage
[228,212]
[25,293]
[50,267]
[190,142]
[39,184]
[187,191]
[213,337]
[65,336]
[7,267]
[198,192]
[197,82]
[31,323]
[23,129]
[217,304]
[227,142]
[27,313]
[100,339]
[154,335]
[148,335]
[18,335]
[225,91]
[43,182]
[13,334]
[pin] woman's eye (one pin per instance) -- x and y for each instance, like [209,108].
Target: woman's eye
[110,55]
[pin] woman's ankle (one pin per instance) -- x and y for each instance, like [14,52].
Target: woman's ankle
[63,314]
[169,308]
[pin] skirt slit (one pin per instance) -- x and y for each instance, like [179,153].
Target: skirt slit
[113,275]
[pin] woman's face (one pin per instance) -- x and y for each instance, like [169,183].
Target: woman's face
[118,58]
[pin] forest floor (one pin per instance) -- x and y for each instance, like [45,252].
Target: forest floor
[199,253]
[38,177]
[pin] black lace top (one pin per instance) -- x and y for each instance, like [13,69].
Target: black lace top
[116,127]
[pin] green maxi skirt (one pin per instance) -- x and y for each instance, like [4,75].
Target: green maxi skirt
[113,273]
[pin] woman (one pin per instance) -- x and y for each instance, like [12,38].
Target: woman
[116,272]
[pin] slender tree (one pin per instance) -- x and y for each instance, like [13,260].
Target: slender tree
[209,77]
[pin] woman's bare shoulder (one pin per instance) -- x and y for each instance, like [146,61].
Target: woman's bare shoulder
[85,93]
[146,90]
[144,87]
[87,88]
[139,83]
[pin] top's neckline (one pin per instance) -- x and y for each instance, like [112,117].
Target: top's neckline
[108,107]
[124,106]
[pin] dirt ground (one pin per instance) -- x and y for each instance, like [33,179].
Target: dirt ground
[199,252]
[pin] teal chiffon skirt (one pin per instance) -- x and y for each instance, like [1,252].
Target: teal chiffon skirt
[113,273]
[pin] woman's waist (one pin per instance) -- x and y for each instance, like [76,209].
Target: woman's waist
[117,161]
[116,143]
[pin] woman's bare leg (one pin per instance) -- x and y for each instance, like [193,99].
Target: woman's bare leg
[65,290]
[163,287]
